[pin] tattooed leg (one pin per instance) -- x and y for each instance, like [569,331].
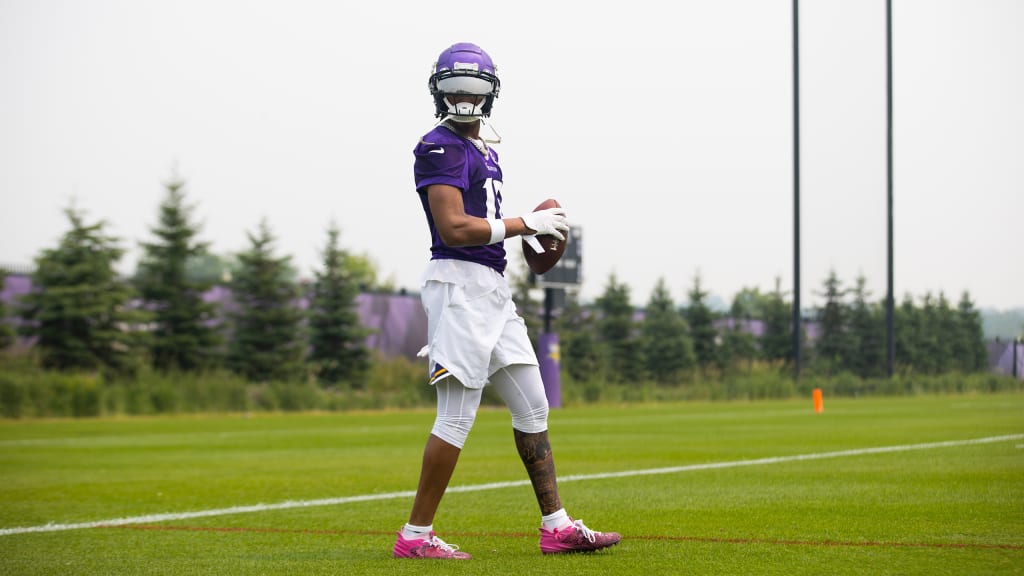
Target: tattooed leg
[535,451]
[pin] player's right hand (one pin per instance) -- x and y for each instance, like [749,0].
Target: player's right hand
[548,221]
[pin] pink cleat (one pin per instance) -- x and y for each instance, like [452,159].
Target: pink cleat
[432,547]
[576,538]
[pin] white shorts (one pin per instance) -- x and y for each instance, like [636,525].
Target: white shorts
[473,329]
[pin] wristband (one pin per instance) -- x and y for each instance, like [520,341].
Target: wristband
[497,230]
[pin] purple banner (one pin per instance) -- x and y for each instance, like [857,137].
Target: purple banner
[550,372]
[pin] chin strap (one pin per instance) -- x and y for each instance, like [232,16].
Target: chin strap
[496,135]
[495,140]
[479,143]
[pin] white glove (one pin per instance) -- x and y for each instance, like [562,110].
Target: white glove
[548,221]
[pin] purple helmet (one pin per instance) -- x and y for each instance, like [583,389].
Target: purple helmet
[464,68]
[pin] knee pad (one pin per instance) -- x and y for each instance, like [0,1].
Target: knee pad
[453,429]
[456,411]
[523,391]
[533,420]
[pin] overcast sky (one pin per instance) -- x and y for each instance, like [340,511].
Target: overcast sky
[664,128]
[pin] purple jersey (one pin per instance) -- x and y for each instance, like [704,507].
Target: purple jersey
[443,157]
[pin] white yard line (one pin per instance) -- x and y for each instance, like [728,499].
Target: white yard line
[168,517]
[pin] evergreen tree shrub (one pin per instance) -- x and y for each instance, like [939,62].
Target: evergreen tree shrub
[79,310]
[337,340]
[183,334]
[267,342]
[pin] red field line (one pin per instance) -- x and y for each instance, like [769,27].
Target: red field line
[699,539]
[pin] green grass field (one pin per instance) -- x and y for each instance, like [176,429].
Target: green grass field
[703,488]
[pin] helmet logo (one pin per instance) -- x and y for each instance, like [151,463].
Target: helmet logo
[466,66]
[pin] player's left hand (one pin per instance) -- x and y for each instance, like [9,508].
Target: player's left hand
[548,221]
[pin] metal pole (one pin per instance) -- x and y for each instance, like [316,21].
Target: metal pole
[1016,344]
[549,301]
[797,328]
[890,305]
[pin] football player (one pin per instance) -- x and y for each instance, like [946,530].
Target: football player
[475,338]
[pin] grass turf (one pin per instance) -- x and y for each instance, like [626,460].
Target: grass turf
[941,510]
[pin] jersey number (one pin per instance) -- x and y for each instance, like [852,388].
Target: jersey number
[492,188]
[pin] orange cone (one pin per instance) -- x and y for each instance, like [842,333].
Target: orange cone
[819,404]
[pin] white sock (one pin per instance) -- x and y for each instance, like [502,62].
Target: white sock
[412,532]
[559,519]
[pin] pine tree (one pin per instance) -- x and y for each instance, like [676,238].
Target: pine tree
[969,350]
[6,331]
[908,331]
[833,347]
[738,345]
[668,351]
[78,308]
[867,334]
[933,347]
[267,341]
[701,319]
[583,356]
[777,339]
[183,335]
[337,340]
[947,331]
[616,329]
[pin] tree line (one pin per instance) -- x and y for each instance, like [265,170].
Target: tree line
[672,344]
[83,317]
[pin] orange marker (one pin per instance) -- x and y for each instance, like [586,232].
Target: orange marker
[819,404]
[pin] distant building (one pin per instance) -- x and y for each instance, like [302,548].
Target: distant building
[1001,357]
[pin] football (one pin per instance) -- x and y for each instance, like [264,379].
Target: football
[553,247]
